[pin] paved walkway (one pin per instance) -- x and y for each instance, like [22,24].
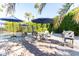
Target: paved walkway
[53,47]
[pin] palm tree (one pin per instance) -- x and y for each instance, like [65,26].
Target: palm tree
[65,8]
[10,9]
[56,22]
[76,16]
[40,6]
[1,7]
[62,11]
[33,17]
[28,15]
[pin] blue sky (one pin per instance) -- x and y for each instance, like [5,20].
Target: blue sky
[50,10]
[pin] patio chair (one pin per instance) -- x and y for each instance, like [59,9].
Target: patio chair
[44,36]
[46,33]
[34,35]
[24,34]
[68,35]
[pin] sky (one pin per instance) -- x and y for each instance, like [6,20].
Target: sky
[50,10]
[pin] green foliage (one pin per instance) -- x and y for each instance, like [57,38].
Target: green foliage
[69,23]
[12,27]
[76,17]
[50,28]
[40,6]
[55,23]
[37,27]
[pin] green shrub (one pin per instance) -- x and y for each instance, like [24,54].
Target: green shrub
[50,27]
[37,27]
[12,26]
[69,23]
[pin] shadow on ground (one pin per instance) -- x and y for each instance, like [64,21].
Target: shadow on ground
[63,51]
[34,50]
[57,42]
[71,52]
[52,41]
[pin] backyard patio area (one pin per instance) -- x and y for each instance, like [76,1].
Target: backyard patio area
[33,32]
[21,46]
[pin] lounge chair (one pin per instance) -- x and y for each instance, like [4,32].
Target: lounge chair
[68,35]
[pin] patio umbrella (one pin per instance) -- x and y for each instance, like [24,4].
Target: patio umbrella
[43,20]
[11,19]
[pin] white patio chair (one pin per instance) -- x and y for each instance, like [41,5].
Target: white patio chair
[68,35]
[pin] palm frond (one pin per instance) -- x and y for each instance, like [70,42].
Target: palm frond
[39,7]
[10,8]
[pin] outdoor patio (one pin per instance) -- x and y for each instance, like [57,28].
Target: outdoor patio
[33,32]
[20,46]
